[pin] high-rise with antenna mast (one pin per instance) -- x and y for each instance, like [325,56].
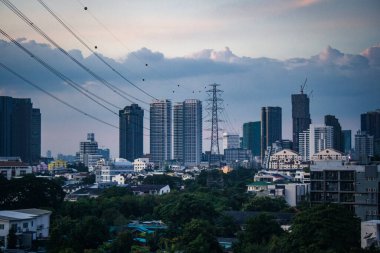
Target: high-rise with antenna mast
[214,105]
[300,115]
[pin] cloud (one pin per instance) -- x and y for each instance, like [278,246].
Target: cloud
[343,84]
[373,55]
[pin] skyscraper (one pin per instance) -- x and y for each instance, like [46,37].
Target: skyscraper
[230,141]
[252,137]
[160,131]
[330,120]
[36,135]
[131,120]
[300,116]
[347,139]
[20,129]
[314,140]
[370,123]
[187,130]
[363,146]
[271,127]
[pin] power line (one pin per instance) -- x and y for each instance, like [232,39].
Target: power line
[91,50]
[116,90]
[55,97]
[57,73]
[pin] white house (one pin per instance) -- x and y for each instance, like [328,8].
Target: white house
[286,159]
[28,224]
[141,164]
[14,168]
[328,154]
[148,189]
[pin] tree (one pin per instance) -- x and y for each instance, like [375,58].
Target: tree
[173,182]
[323,228]
[259,230]
[12,239]
[265,204]
[30,192]
[199,237]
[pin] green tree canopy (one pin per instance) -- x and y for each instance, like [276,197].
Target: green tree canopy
[323,228]
[265,204]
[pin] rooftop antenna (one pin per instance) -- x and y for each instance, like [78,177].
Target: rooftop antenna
[303,86]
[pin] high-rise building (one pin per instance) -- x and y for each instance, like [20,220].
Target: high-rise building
[347,139]
[331,120]
[160,131]
[300,116]
[370,123]
[314,140]
[20,129]
[36,135]
[230,141]
[363,146]
[271,127]
[252,137]
[88,152]
[187,130]
[131,120]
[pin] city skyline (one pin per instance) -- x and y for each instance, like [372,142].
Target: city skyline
[343,78]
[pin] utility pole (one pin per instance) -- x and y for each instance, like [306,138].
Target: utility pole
[214,104]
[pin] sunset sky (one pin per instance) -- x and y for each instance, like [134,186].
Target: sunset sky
[259,51]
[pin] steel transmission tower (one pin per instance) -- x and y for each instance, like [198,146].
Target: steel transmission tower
[214,104]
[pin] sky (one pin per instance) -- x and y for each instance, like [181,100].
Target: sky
[259,51]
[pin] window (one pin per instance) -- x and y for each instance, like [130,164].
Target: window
[25,225]
[1,226]
[14,227]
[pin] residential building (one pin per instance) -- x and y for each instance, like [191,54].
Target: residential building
[328,155]
[363,146]
[105,171]
[28,224]
[160,131]
[187,131]
[131,132]
[286,159]
[355,186]
[271,127]
[293,193]
[331,120]
[105,153]
[315,139]
[57,164]
[370,123]
[11,167]
[141,164]
[300,116]
[20,129]
[347,140]
[252,137]
[147,189]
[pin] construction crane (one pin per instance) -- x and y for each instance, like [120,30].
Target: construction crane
[303,86]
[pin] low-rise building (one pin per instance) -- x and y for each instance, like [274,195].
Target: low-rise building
[141,164]
[10,168]
[370,233]
[107,170]
[328,155]
[27,224]
[150,189]
[57,164]
[286,159]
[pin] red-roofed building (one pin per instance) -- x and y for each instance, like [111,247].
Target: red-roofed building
[14,168]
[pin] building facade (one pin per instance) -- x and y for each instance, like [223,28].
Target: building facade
[347,140]
[20,129]
[331,120]
[286,159]
[187,131]
[314,140]
[356,186]
[131,132]
[231,141]
[160,131]
[363,146]
[252,137]
[300,116]
[370,123]
[271,127]
[88,151]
